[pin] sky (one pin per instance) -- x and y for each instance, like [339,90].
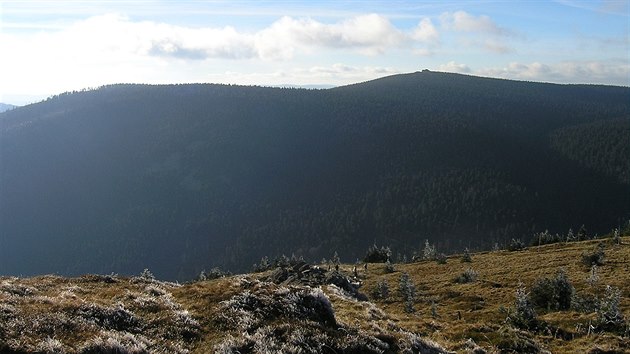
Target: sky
[50,47]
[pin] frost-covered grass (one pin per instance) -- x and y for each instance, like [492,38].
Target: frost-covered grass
[92,314]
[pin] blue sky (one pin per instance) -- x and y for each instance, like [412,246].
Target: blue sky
[49,47]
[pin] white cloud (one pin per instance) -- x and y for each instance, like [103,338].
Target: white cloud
[425,31]
[464,22]
[335,74]
[369,34]
[590,72]
[454,67]
[477,31]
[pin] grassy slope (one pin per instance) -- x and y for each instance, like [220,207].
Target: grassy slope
[500,272]
[168,313]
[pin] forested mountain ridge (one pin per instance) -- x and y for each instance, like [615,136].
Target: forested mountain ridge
[183,177]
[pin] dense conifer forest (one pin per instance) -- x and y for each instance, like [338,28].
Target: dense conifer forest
[180,178]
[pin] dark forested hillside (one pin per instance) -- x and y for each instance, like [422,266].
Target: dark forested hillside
[178,178]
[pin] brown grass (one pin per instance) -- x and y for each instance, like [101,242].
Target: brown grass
[447,312]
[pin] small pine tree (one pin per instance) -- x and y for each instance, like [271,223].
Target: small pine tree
[570,236]
[466,257]
[440,258]
[593,277]
[407,291]
[524,315]
[608,311]
[335,259]
[381,290]
[616,237]
[429,252]
[434,312]
[147,275]
[389,267]
[581,234]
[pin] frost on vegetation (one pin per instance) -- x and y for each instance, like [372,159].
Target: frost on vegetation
[381,290]
[523,315]
[593,277]
[117,342]
[251,309]
[413,343]
[113,318]
[340,293]
[596,257]
[609,314]
[299,320]
[407,290]
[516,245]
[553,293]
[10,287]
[429,252]
[468,276]
[51,346]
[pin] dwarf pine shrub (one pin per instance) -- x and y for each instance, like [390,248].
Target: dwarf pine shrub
[468,276]
[553,293]
[377,255]
[516,245]
[147,275]
[545,237]
[596,257]
[440,258]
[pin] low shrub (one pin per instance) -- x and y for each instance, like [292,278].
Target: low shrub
[553,293]
[516,245]
[596,257]
[377,255]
